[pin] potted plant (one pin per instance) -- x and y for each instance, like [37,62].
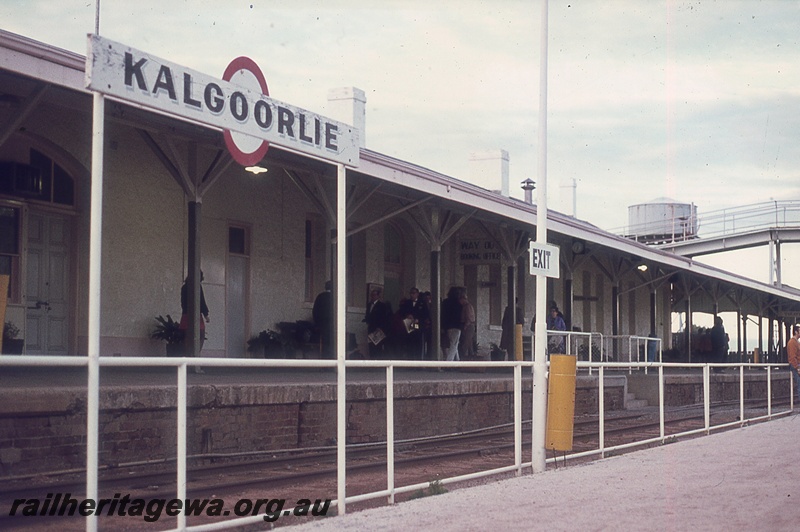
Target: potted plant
[497,354]
[11,344]
[169,330]
[268,344]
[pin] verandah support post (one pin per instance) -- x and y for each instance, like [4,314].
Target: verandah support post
[511,302]
[653,303]
[743,352]
[193,274]
[770,337]
[436,303]
[568,299]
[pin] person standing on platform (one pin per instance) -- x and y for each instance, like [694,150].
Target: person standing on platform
[509,331]
[451,322]
[414,313]
[184,324]
[793,356]
[555,322]
[379,321]
[719,343]
[322,314]
[427,326]
[466,344]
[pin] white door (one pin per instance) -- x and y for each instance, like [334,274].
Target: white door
[47,285]
[236,285]
[236,306]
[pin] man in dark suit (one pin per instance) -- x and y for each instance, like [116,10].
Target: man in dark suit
[415,311]
[719,343]
[322,314]
[378,319]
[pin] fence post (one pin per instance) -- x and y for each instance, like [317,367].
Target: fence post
[518,418]
[741,394]
[769,392]
[390,432]
[181,451]
[601,410]
[661,401]
[706,396]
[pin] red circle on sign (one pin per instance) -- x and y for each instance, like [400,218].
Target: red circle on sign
[242,157]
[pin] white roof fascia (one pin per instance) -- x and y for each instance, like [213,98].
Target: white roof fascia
[42,62]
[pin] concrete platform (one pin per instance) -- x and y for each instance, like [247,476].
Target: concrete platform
[742,479]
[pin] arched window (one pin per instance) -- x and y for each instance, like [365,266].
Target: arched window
[40,180]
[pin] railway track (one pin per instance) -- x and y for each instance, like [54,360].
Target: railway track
[296,475]
[281,469]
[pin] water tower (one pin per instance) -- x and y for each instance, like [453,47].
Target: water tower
[662,220]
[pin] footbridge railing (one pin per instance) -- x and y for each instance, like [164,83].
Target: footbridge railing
[752,217]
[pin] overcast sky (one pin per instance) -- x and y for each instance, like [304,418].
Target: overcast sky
[697,101]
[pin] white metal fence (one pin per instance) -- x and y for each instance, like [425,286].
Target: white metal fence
[392,490]
[596,347]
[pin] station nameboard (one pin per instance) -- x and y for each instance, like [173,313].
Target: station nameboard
[544,259]
[129,74]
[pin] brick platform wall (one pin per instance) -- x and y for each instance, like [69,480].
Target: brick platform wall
[46,430]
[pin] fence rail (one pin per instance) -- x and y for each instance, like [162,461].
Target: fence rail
[181,365]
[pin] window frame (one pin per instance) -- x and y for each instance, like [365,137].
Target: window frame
[15,283]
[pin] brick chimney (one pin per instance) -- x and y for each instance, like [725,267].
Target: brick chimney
[489,169]
[348,105]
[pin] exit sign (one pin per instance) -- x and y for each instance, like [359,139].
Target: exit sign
[544,259]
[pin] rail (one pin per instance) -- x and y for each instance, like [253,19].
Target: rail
[639,349]
[597,347]
[578,343]
[746,218]
[392,490]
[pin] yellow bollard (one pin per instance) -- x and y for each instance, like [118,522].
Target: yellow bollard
[518,341]
[560,403]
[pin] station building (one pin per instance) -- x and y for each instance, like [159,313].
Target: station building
[266,241]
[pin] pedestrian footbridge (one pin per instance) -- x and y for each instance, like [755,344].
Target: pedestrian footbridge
[768,223]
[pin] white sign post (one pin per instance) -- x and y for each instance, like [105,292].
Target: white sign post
[539,395]
[544,259]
